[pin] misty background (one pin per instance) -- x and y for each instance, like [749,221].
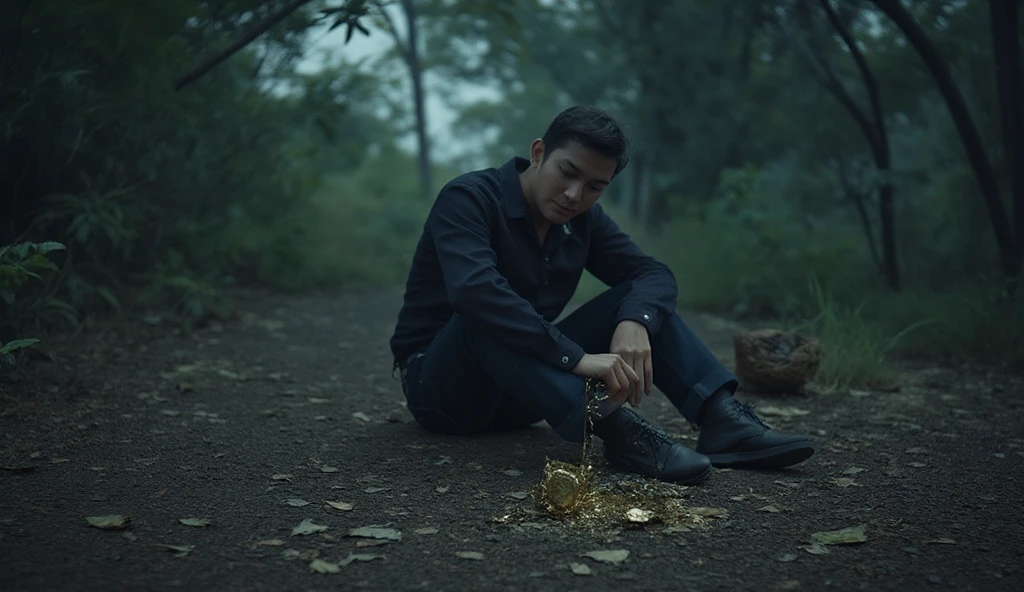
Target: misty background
[849,169]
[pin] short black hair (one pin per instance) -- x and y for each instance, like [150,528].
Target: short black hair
[591,127]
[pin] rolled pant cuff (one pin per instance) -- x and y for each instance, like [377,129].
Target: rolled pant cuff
[702,391]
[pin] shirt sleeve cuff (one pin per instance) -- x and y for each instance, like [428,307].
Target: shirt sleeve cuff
[645,315]
[566,354]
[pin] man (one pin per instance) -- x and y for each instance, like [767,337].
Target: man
[501,254]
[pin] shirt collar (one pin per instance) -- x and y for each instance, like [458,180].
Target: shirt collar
[511,189]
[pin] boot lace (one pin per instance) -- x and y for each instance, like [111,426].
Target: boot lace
[643,429]
[747,410]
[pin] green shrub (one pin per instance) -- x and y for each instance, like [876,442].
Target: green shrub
[24,298]
[856,351]
[976,322]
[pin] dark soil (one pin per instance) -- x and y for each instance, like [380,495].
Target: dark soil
[158,425]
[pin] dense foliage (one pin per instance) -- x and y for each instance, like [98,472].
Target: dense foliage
[795,159]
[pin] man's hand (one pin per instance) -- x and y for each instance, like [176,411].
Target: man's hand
[619,378]
[632,343]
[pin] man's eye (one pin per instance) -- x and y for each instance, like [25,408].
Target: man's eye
[565,172]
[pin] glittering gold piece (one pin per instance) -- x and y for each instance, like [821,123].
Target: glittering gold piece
[563,487]
[638,515]
[569,493]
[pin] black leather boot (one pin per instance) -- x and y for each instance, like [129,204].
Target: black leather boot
[633,445]
[732,435]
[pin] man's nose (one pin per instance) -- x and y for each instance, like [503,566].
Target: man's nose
[573,190]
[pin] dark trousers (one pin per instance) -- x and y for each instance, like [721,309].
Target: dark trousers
[468,382]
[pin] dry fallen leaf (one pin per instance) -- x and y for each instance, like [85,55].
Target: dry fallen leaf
[770,509]
[197,522]
[941,541]
[343,506]
[614,557]
[519,495]
[282,477]
[180,550]
[376,532]
[321,566]
[372,543]
[376,489]
[362,416]
[513,472]
[296,503]
[853,471]
[782,411]
[845,482]
[269,543]
[580,569]
[442,489]
[115,522]
[428,530]
[308,527]
[843,536]
[470,555]
[359,557]
[326,469]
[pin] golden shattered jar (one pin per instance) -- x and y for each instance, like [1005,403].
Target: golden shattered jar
[563,487]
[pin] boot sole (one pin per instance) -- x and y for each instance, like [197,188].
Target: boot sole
[771,458]
[696,480]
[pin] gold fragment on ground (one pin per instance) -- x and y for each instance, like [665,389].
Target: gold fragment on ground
[571,494]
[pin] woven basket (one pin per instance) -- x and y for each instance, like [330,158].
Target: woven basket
[773,361]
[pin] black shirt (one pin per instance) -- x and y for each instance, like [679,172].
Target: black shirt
[480,256]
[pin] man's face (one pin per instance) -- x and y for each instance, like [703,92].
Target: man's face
[569,181]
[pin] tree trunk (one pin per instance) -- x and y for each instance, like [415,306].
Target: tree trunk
[412,54]
[880,150]
[1010,82]
[258,29]
[1008,252]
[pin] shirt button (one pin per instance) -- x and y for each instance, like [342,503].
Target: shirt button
[565,359]
[647,317]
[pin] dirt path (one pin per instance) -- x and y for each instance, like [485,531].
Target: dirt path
[295,401]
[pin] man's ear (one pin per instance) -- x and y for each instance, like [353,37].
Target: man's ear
[537,152]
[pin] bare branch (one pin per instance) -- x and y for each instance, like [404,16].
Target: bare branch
[258,29]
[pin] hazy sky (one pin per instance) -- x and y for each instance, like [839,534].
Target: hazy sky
[439,116]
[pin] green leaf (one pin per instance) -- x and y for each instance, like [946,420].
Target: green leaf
[51,246]
[17,344]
